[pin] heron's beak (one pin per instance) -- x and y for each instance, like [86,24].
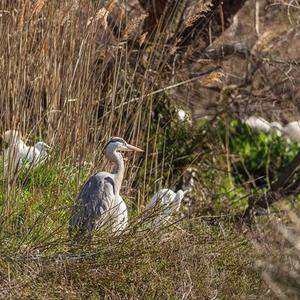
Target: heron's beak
[133,148]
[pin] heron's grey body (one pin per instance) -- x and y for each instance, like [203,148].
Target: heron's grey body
[169,202]
[99,202]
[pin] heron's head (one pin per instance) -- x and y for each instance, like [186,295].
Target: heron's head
[119,144]
[11,136]
[41,146]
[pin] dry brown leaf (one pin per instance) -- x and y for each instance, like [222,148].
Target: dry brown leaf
[213,78]
[142,38]
[198,11]
[102,15]
[110,6]
[38,6]
[133,25]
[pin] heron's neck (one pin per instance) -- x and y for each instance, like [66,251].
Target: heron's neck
[118,168]
[18,143]
[177,198]
[21,143]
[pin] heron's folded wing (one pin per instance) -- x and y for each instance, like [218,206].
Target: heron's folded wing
[152,202]
[94,200]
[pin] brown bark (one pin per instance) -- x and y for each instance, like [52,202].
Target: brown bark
[217,19]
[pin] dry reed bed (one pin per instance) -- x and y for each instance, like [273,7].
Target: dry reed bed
[53,67]
[69,78]
[72,74]
[201,262]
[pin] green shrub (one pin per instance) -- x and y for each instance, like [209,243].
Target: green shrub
[256,156]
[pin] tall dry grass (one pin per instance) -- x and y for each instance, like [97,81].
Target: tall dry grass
[75,73]
[71,75]
[64,75]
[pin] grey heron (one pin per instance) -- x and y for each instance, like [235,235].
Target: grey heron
[18,152]
[168,201]
[99,201]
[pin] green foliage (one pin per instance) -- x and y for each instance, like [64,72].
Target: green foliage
[256,156]
[135,265]
[175,138]
[37,207]
[139,264]
[41,176]
[177,144]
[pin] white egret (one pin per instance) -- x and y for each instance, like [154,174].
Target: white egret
[277,128]
[181,114]
[99,201]
[169,203]
[18,152]
[292,131]
[257,123]
[43,149]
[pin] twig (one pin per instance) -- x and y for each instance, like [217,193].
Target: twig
[165,89]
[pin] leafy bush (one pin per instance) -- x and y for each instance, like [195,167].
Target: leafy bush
[256,156]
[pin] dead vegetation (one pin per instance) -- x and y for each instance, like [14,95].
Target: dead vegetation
[198,263]
[76,73]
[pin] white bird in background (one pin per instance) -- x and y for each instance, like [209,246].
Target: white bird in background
[181,114]
[18,152]
[292,131]
[43,148]
[257,123]
[277,128]
[99,202]
[168,201]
